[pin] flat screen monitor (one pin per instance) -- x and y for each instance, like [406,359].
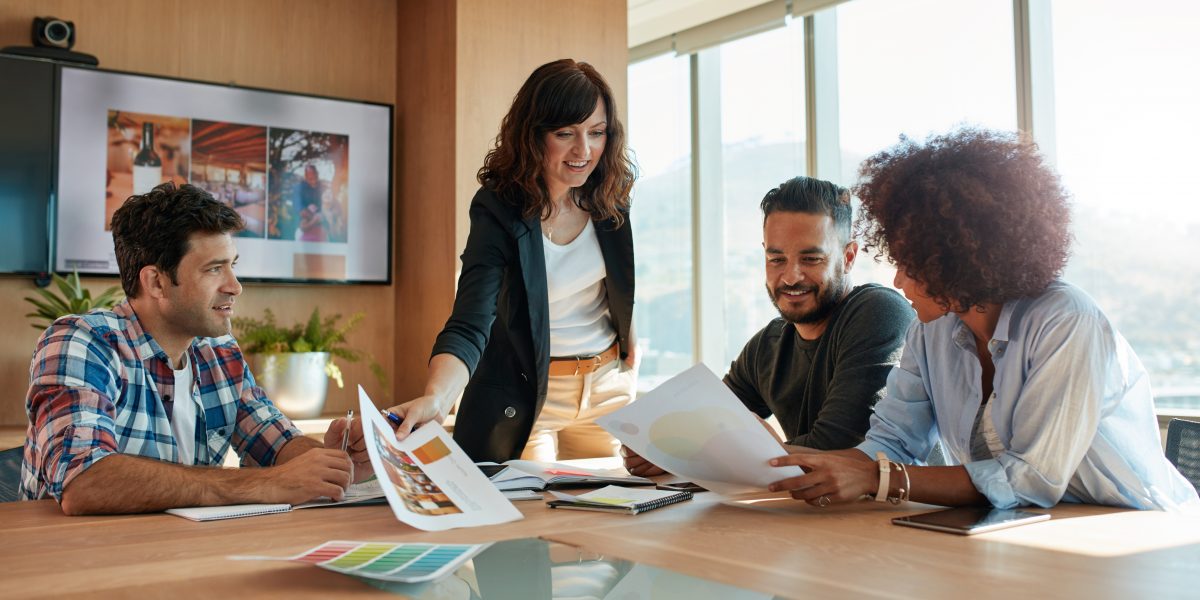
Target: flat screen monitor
[26,163]
[310,176]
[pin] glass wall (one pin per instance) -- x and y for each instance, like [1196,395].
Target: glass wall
[1127,121]
[915,68]
[659,127]
[1122,118]
[762,145]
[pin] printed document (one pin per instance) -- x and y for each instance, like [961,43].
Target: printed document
[429,481]
[694,427]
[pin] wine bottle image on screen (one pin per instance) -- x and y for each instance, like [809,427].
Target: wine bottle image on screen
[147,166]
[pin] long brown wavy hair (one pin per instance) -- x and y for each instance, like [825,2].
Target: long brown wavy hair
[557,94]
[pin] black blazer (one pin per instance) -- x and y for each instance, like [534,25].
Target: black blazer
[500,327]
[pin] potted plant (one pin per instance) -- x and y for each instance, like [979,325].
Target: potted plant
[72,299]
[294,364]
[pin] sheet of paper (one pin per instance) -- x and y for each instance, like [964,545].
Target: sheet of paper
[429,481]
[521,495]
[694,427]
[363,492]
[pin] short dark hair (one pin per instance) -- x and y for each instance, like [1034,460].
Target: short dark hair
[812,196]
[976,216]
[153,229]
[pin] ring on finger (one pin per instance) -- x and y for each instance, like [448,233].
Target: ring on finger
[823,501]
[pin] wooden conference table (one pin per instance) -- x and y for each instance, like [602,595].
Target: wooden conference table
[775,546]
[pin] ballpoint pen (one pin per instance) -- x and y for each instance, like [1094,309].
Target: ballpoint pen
[346,440]
[392,417]
[346,433]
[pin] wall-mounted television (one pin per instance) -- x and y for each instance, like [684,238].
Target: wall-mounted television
[310,176]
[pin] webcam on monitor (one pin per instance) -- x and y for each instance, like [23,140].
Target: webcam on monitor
[52,39]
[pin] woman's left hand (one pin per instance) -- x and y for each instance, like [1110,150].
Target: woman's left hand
[837,478]
[632,358]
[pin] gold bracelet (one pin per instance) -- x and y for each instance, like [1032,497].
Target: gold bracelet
[903,492]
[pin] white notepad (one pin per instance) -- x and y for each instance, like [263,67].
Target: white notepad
[233,511]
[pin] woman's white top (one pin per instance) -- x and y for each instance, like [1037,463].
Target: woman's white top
[183,413]
[580,324]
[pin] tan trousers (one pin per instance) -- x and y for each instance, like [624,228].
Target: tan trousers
[566,427]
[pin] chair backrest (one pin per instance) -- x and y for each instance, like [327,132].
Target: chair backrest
[10,473]
[1183,448]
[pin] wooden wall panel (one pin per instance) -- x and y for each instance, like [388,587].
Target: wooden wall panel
[425,123]
[130,35]
[326,47]
[500,43]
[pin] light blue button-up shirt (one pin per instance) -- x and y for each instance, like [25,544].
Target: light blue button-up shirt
[1071,406]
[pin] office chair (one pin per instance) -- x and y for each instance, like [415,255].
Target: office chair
[1183,448]
[10,473]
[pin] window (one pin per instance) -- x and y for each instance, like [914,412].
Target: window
[1126,125]
[762,145]
[1116,112]
[659,127]
[916,68]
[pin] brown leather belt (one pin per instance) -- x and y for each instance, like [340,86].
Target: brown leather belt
[581,365]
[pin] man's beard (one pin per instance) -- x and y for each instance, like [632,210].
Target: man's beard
[827,300]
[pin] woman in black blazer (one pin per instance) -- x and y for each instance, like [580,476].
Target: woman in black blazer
[540,341]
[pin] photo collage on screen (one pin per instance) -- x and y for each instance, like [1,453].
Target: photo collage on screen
[286,184]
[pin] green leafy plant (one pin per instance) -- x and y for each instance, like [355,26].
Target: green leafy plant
[70,299]
[267,336]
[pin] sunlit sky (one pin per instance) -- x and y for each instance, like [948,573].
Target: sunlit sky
[1126,116]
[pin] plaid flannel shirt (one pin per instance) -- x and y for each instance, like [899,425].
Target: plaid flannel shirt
[100,385]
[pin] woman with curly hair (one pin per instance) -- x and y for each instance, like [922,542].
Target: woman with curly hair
[540,340]
[1032,393]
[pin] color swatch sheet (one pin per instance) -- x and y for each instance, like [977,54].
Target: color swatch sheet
[385,561]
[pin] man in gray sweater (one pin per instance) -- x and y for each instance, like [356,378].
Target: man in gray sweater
[821,366]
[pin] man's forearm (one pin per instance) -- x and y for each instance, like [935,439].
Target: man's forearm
[128,484]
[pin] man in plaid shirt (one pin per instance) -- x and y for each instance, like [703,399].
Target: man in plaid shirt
[133,409]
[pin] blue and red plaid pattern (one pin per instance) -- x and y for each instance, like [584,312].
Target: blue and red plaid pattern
[97,386]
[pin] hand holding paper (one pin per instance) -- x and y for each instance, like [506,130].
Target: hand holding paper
[694,427]
[429,481]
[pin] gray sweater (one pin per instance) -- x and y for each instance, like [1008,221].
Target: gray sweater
[822,391]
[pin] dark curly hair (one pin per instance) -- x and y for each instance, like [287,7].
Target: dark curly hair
[153,229]
[556,94]
[975,216]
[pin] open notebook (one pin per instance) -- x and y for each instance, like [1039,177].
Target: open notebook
[615,498]
[365,492]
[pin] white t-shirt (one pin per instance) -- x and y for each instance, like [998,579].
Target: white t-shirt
[580,324]
[183,414]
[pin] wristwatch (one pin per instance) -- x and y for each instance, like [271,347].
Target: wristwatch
[885,476]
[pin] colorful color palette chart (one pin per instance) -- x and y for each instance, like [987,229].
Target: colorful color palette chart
[408,563]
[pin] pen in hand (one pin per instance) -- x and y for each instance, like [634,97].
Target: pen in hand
[346,440]
[392,418]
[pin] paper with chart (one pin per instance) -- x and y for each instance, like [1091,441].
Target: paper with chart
[429,481]
[694,427]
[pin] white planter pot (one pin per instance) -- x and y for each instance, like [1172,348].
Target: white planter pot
[294,381]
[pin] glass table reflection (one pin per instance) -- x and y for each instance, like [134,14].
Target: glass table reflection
[534,569]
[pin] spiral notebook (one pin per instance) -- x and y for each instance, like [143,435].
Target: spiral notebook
[615,498]
[214,513]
